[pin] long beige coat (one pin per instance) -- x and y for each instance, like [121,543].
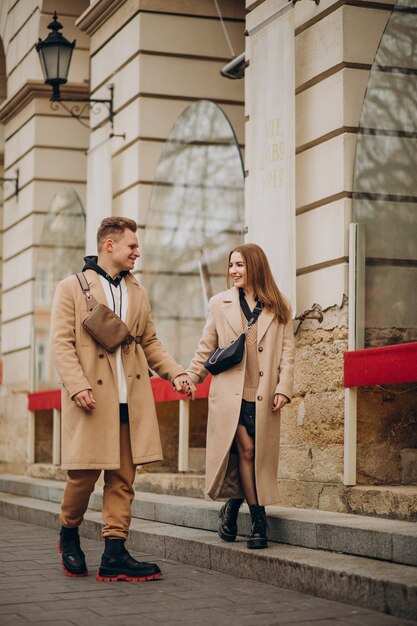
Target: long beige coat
[90,439]
[276,368]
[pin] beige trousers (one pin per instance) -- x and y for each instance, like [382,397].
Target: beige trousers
[118,492]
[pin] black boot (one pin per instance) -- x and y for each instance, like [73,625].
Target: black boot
[228,519]
[117,564]
[257,535]
[73,558]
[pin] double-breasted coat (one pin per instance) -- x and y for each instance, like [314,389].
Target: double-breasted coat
[90,440]
[275,343]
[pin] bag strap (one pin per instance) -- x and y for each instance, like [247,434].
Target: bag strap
[255,314]
[251,316]
[83,281]
[90,299]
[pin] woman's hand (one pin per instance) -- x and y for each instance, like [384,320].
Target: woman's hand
[183,384]
[278,402]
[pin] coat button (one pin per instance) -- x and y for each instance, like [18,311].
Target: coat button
[261,373]
[138,376]
[99,382]
[260,349]
[101,355]
[259,398]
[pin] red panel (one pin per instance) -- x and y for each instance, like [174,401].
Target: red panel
[41,400]
[162,392]
[387,365]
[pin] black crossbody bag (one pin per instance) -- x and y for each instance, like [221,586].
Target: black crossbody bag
[223,359]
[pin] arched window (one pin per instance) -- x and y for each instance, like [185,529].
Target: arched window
[195,217]
[60,253]
[385,189]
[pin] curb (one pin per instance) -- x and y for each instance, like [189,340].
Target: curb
[387,540]
[378,585]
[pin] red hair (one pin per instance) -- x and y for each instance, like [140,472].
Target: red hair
[260,279]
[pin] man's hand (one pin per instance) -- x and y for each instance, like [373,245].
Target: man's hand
[184,384]
[278,402]
[85,400]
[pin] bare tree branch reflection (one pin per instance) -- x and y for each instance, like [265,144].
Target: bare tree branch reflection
[385,183]
[61,249]
[195,216]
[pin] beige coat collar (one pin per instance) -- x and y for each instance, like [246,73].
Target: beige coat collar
[231,310]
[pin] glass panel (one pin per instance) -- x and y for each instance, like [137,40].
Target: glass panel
[385,184]
[49,61]
[195,217]
[64,60]
[60,253]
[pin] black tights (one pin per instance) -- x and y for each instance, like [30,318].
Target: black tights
[246,452]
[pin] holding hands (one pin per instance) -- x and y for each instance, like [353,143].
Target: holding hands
[183,384]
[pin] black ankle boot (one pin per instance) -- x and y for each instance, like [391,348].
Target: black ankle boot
[73,558]
[228,519]
[117,564]
[257,535]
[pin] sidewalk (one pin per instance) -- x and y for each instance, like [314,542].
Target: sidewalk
[33,590]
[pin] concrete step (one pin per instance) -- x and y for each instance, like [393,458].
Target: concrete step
[378,585]
[387,540]
[191,485]
[384,501]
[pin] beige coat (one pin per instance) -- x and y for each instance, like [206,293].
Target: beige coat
[276,367]
[90,439]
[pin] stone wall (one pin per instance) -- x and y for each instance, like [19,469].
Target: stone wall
[48,148]
[387,426]
[311,457]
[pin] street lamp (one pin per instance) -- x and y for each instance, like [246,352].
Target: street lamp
[55,54]
[14,180]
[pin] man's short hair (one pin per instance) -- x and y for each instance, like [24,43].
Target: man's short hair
[114,227]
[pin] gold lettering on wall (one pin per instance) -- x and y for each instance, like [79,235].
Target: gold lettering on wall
[272,156]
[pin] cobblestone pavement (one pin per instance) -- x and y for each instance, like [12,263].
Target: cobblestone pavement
[33,590]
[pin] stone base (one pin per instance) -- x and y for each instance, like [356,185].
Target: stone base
[312,495]
[191,485]
[394,502]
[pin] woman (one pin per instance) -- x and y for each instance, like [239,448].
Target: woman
[245,401]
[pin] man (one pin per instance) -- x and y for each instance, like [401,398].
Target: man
[108,413]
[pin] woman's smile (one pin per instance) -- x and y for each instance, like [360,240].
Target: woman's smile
[237,269]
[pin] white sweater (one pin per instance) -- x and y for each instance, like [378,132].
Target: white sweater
[113,302]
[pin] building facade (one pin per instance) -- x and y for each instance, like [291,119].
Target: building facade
[340,450]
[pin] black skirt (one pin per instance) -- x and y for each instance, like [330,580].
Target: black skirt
[247,416]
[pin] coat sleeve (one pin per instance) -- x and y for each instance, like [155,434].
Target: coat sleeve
[64,353]
[286,367]
[207,344]
[157,357]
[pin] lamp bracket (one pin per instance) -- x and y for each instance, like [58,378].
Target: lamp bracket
[76,111]
[317,2]
[14,180]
